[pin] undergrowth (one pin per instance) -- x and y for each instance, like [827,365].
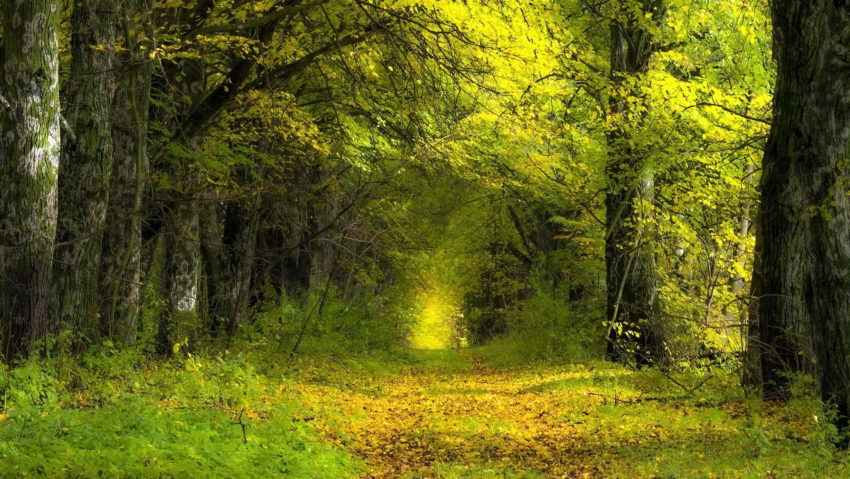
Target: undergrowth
[547,329]
[111,413]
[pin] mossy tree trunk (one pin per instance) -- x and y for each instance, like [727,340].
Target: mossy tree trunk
[803,281]
[29,163]
[121,287]
[634,332]
[181,269]
[86,168]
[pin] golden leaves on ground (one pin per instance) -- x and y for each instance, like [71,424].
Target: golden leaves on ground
[479,416]
[451,416]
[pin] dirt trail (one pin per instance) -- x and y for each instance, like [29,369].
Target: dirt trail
[452,416]
[500,421]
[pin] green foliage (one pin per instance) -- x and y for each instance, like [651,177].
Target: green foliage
[114,413]
[431,174]
[111,414]
[134,440]
[548,328]
[328,324]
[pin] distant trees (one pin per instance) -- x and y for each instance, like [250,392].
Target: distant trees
[121,267]
[213,155]
[678,124]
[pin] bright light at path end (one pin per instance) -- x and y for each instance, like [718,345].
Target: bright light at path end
[435,323]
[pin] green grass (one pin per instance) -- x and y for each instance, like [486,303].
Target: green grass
[113,415]
[138,440]
[116,414]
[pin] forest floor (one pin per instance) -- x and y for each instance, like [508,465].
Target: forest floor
[402,414]
[453,415]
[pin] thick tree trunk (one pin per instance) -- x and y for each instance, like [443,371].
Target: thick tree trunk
[181,269]
[121,286]
[182,259]
[634,329]
[241,226]
[85,169]
[804,224]
[631,276]
[181,223]
[29,162]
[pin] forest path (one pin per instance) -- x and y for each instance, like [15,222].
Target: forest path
[464,414]
[454,416]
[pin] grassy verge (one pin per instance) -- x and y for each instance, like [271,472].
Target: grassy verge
[113,414]
[407,413]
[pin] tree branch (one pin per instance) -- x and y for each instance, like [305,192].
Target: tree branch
[275,16]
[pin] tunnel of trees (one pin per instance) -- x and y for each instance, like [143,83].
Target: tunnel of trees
[657,183]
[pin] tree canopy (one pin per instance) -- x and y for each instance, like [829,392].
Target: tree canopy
[659,184]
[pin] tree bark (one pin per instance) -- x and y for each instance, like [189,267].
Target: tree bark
[634,331]
[182,255]
[214,258]
[230,253]
[803,283]
[29,162]
[182,267]
[85,168]
[121,287]
[751,374]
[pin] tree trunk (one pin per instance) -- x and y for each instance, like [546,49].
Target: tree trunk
[85,169]
[634,330]
[182,255]
[29,163]
[740,256]
[214,257]
[751,374]
[804,224]
[229,248]
[241,226]
[121,287]
[182,268]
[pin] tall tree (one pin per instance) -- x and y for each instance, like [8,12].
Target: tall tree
[122,256]
[802,286]
[86,167]
[29,162]
[629,258]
